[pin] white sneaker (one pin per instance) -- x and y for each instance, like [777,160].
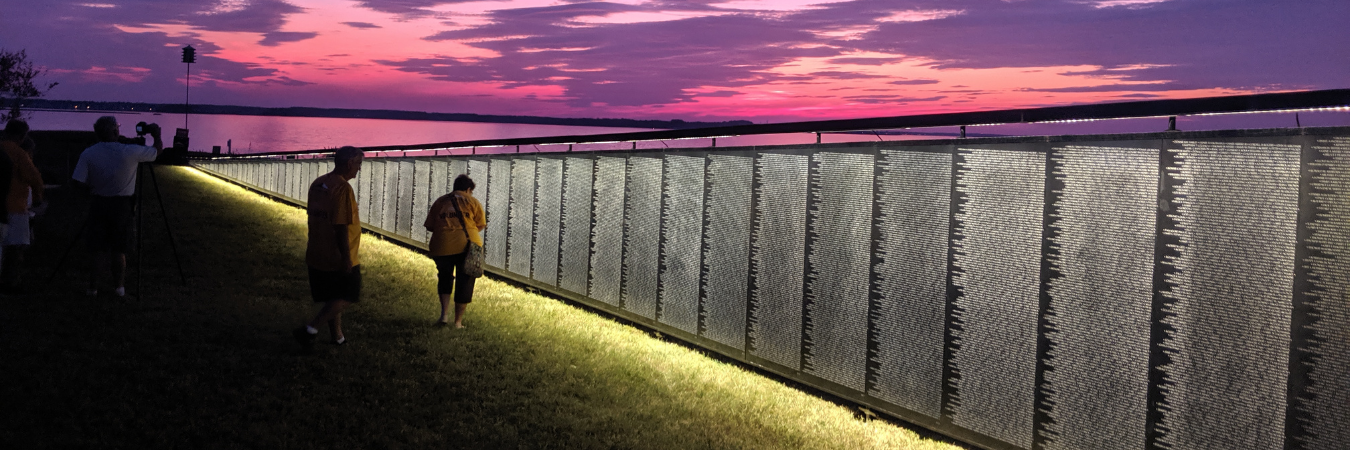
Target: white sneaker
[121,292]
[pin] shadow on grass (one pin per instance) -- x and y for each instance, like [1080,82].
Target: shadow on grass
[212,364]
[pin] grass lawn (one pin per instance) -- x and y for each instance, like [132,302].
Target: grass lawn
[212,365]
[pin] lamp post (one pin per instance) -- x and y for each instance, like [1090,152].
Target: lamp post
[189,57]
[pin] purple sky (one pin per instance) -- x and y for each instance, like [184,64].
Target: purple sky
[693,60]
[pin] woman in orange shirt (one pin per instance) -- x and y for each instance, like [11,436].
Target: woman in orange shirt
[453,220]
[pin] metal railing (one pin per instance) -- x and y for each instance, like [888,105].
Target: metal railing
[1332,99]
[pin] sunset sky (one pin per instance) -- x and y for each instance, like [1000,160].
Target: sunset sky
[761,60]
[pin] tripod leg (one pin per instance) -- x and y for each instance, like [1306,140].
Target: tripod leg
[140,213]
[65,255]
[172,243]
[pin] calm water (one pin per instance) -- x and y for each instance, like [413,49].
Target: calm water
[252,134]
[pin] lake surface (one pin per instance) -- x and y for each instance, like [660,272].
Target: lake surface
[255,134]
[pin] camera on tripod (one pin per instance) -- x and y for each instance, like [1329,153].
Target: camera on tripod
[143,128]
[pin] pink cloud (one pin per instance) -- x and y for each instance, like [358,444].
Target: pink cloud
[763,60]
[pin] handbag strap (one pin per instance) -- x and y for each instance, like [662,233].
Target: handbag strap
[454,200]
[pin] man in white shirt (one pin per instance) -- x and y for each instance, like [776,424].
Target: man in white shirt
[109,169]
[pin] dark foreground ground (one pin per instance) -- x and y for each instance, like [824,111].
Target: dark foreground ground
[211,364]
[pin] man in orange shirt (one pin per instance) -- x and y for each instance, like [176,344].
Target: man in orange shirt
[334,244]
[25,184]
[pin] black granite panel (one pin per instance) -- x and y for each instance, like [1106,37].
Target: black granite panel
[407,197]
[548,215]
[839,268]
[681,241]
[997,273]
[575,255]
[364,189]
[457,167]
[389,214]
[607,231]
[642,235]
[1227,302]
[913,194]
[1102,225]
[1322,399]
[778,251]
[421,201]
[440,182]
[498,213]
[521,230]
[726,248]
[291,180]
[477,170]
[377,188]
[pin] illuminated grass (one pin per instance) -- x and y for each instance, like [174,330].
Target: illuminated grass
[213,364]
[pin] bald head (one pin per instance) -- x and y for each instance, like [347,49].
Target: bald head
[347,161]
[106,128]
[345,155]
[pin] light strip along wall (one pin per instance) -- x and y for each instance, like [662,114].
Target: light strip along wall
[1155,291]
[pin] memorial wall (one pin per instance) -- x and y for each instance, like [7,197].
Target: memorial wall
[1164,291]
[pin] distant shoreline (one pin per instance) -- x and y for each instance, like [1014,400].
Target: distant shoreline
[342,113]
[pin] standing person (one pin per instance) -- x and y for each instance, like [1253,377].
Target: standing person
[25,191]
[453,220]
[6,173]
[334,243]
[109,169]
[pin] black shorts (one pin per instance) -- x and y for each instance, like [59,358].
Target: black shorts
[110,223]
[447,281]
[326,286]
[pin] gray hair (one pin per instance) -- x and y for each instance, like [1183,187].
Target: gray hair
[105,126]
[345,155]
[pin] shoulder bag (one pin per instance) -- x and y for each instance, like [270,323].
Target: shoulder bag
[473,253]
